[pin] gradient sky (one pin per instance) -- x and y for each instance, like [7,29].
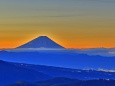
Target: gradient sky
[71,23]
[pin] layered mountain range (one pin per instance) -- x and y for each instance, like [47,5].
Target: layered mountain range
[20,72]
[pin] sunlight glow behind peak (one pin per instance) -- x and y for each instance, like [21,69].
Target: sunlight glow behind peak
[71,23]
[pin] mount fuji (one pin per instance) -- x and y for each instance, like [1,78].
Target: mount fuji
[41,42]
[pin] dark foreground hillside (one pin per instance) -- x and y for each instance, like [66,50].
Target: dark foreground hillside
[14,72]
[10,73]
[67,82]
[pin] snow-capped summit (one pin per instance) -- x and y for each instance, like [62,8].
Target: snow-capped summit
[41,42]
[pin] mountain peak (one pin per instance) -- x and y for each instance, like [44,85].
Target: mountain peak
[41,42]
[43,36]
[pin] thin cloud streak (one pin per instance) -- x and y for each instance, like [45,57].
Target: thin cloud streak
[53,16]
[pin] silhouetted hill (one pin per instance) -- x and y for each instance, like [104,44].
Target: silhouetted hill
[41,42]
[58,80]
[99,82]
[68,82]
[13,72]
[10,73]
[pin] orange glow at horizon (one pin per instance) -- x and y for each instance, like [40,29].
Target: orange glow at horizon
[65,43]
[70,23]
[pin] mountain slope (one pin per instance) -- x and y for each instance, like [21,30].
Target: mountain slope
[67,82]
[67,72]
[10,73]
[41,42]
[13,72]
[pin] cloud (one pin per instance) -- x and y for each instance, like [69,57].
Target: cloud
[46,16]
[98,51]
[112,52]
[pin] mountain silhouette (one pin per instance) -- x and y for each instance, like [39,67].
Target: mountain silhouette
[41,42]
[61,81]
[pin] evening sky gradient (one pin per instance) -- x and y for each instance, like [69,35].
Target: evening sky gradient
[71,23]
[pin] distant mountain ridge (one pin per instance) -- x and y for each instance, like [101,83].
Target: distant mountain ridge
[60,58]
[41,42]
